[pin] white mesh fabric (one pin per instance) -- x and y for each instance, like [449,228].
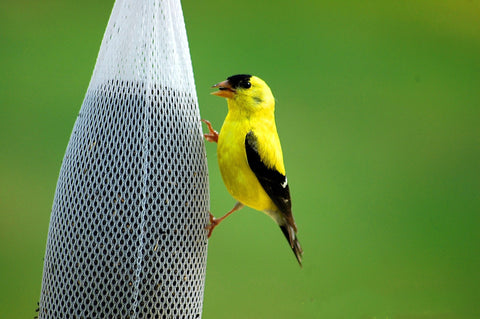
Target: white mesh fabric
[127,234]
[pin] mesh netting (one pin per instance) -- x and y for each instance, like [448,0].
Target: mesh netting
[127,234]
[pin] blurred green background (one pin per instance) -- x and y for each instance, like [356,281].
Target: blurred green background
[378,110]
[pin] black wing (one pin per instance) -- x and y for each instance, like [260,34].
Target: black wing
[273,182]
[275,185]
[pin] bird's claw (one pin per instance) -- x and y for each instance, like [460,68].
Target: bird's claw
[213,223]
[212,136]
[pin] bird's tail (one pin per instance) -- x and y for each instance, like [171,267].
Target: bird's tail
[290,232]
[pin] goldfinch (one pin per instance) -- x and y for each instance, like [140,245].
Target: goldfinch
[250,156]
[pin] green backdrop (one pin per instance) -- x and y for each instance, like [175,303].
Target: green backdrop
[378,110]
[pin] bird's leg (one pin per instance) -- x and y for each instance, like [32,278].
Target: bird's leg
[213,135]
[215,221]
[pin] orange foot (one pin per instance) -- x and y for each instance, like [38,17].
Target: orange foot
[212,136]
[215,221]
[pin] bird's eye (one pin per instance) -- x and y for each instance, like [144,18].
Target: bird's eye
[246,85]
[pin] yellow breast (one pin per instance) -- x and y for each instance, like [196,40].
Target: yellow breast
[239,179]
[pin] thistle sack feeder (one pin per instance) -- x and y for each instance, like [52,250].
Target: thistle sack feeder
[127,235]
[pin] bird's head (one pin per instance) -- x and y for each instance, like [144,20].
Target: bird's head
[245,91]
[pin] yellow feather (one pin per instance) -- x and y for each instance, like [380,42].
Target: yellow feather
[245,115]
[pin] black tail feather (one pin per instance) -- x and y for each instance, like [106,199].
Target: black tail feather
[292,239]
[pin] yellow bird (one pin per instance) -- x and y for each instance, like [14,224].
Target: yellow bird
[250,156]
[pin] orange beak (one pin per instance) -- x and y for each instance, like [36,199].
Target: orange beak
[224,89]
